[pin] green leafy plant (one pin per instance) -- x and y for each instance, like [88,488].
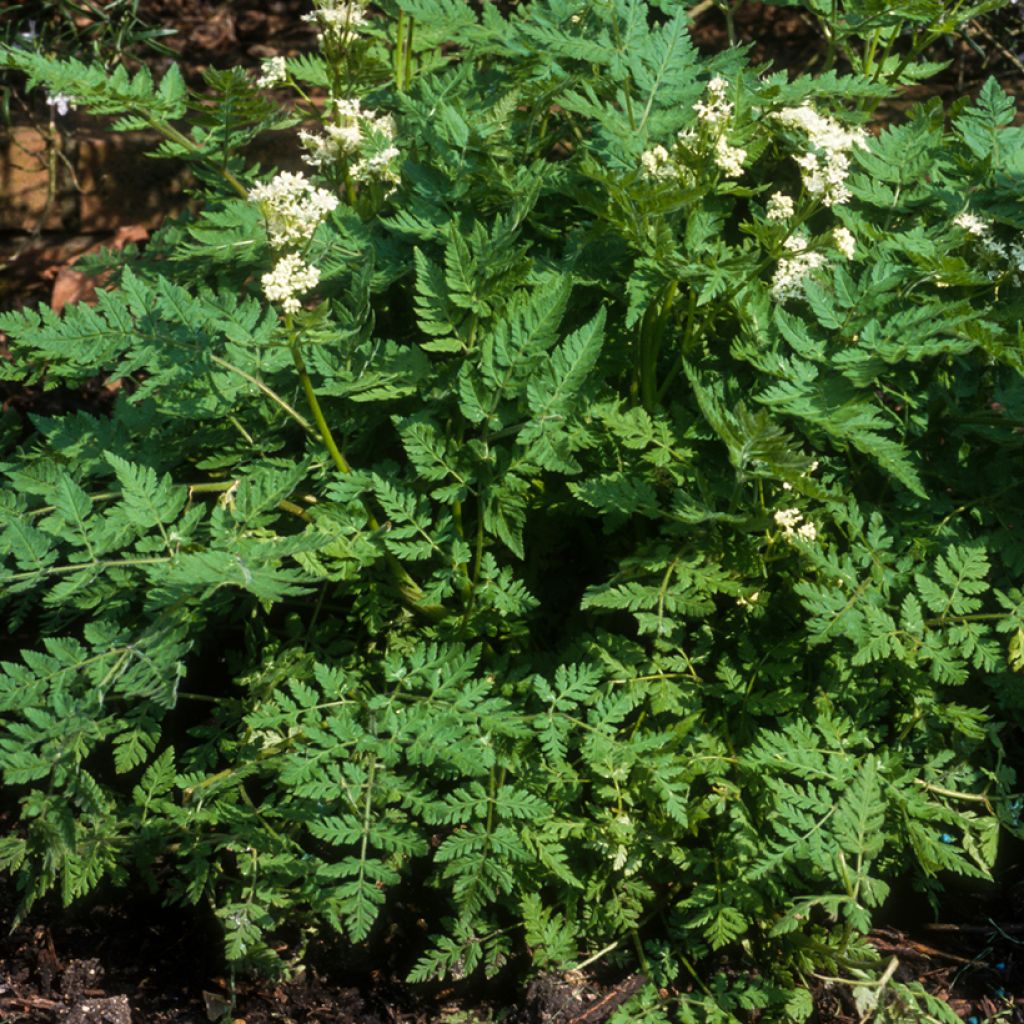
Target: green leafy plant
[593,499]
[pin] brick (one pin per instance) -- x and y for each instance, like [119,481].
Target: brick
[24,181]
[122,185]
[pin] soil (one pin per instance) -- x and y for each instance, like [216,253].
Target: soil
[118,960]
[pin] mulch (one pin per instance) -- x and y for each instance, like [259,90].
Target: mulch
[131,960]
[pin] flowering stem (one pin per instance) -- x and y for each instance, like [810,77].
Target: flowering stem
[684,348]
[408,50]
[318,415]
[411,592]
[399,56]
[350,188]
[652,333]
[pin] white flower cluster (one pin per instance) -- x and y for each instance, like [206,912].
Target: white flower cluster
[293,207]
[845,242]
[657,164]
[826,166]
[379,166]
[715,117]
[275,71]
[729,158]
[792,270]
[355,130]
[793,526]
[780,207]
[1012,253]
[340,20]
[288,280]
[972,225]
[717,114]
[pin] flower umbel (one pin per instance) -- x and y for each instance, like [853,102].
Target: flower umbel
[729,159]
[275,71]
[715,117]
[1011,253]
[826,166]
[657,164]
[293,207]
[355,131]
[780,207]
[340,20]
[791,520]
[718,112]
[792,270]
[845,242]
[288,280]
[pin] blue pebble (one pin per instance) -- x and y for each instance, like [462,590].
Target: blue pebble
[1000,966]
[972,1020]
[946,838]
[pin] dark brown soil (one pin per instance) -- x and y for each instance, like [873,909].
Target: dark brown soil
[118,961]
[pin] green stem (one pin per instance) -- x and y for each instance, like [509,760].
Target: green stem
[183,140]
[869,54]
[326,436]
[410,591]
[652,333]
[684,347]
[478,557]
[106,563]
[408,50]
[398,55]
[272,395]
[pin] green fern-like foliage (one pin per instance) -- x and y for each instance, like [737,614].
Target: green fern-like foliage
[552,571]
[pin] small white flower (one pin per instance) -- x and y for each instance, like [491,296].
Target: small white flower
[788,518]
[352,128]
[729,158]
[288,280]
[972,225]
[1011,253]
[826,167]
[716,114]
[657,163]
[61,103]
[807,531]
[340,20]
[275,71]
[845,242]
[792,271]
[824,132]
[379,166]
[293,207]
[791,520]
[780,207]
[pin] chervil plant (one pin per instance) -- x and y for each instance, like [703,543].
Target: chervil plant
[580,498]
